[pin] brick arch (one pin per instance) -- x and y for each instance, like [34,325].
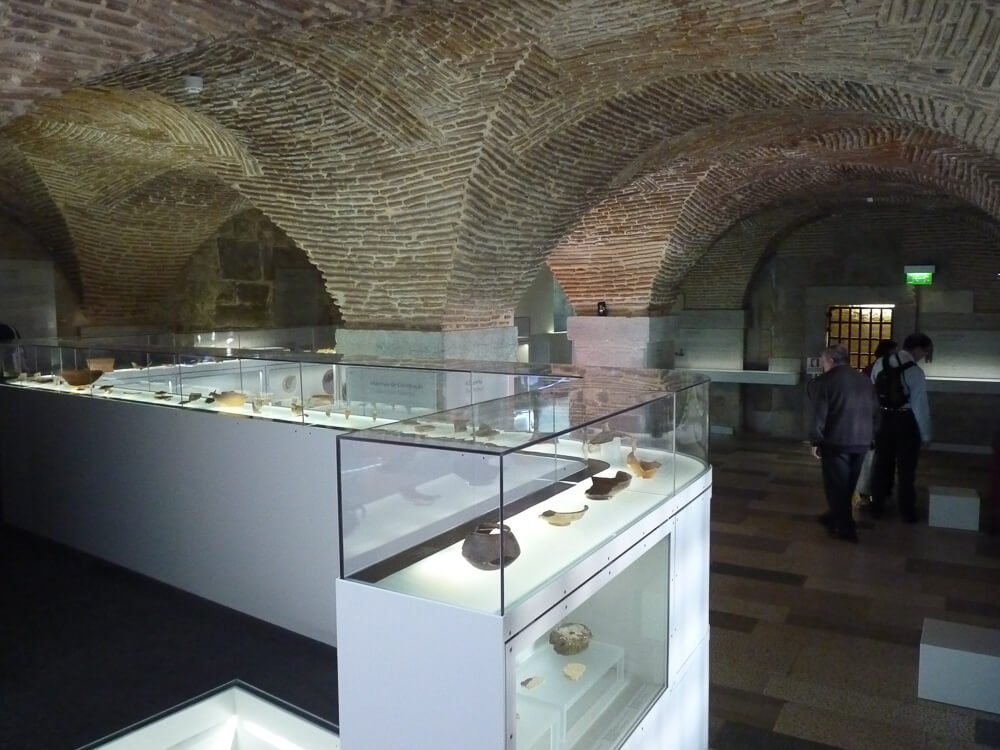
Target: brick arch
[503,122]
[724,277]
[636,246]
[49,48]
[139,182]
[25,196]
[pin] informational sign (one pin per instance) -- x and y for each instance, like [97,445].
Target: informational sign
[396,387]
[28,297]
[813,366]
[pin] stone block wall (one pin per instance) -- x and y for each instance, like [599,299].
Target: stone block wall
[17,242]
[230,281]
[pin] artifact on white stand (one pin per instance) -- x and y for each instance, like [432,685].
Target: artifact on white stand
[81,377]
[574,671]
[645,469]
[603,488]
[570,639]
[491,546]
[564,518]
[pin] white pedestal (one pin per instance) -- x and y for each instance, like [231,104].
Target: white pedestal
[954,508]
[960,665]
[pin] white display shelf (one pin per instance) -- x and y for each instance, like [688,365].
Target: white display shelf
[546,550]
[580,703]
[313,416]
[537,725]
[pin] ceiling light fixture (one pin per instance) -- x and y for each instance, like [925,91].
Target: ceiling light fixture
[193,84]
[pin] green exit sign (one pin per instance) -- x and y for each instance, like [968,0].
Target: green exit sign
[919,275]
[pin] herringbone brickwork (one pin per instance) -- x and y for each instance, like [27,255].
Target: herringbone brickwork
[428,157]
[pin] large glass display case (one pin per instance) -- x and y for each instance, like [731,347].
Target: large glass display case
[542,525]
[307,388]
[320,339]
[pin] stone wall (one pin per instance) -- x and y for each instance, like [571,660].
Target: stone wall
[18,243]
[234,280]
[857,257]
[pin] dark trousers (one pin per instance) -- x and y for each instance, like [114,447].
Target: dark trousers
[897,448]
[841,470]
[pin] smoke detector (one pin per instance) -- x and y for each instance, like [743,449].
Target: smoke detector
[193,84]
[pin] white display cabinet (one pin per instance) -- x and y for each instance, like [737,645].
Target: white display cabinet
[316,389]
[538,585]
[239,510]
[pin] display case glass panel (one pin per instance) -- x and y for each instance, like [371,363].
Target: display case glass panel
[317,389]
[585,675]
[484,505]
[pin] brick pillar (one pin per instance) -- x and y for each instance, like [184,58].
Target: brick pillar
[622,342]
[486,344]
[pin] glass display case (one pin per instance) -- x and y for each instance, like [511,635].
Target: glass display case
[543,523]
[319,339]
[311,388]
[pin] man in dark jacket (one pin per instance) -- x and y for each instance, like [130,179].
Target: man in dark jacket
[846,416]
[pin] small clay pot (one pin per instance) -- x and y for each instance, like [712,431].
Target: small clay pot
[491,546]
[81,377]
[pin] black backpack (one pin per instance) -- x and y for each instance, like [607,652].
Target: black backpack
[890,386]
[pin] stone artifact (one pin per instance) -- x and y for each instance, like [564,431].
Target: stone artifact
[257,403]
[104,364]
[320,398]
[423,427]
[296,407]
[559,518]
[193,396]
[461,425]
[574,670]
[570,639]
[604,488]
[81,377]
[230,398]
[531,683]
[482,547]
[645,469]
[484,430]
[162,396]
[347,413]
[105,388]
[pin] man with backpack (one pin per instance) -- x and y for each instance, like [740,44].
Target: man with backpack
[906,424]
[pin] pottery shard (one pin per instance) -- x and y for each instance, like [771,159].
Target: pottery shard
[532,682]
[570,639]
[574,671]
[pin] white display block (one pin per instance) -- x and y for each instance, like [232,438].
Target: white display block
[954,508]
[960,665]
[404,656]
[230,719]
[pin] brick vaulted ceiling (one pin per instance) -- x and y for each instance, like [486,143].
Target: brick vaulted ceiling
[428,157]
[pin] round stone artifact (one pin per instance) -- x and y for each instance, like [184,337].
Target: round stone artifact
[491,546]
[571,638]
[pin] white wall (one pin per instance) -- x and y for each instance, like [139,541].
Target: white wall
[240,511]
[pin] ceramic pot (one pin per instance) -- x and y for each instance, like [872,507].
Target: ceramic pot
[491,546]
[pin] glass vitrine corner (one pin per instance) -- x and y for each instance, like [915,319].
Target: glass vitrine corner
[485,505]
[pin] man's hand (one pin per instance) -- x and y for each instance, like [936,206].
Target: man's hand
[815,451]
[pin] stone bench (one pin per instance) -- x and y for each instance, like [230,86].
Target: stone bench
[960,665]
[954,508]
